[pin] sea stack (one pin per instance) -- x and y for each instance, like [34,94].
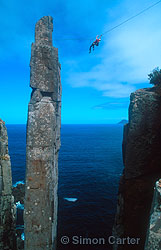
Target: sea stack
[7,209]
[142,167]
[43,141]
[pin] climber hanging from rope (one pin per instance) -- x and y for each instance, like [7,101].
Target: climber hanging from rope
[96,42]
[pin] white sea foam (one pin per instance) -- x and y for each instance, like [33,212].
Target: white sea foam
[71,199]
[22,236]
[20,227]
[19,205]
[17,183]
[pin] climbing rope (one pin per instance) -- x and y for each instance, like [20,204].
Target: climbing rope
[107,31]
[129,19]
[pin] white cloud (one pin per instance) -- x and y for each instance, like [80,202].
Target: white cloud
[126,56]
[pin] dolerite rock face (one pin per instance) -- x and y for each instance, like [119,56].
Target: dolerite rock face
[153,241]
[19,193]
[142,167]
[7,209]
[43,141]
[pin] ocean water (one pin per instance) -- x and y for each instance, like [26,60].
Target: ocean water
[90,165]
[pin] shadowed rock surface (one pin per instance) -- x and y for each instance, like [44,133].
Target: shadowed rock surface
[154,231]
[19,193]
[142,167]
[43,141]
[7,208]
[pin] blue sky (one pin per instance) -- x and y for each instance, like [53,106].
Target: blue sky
[96,86]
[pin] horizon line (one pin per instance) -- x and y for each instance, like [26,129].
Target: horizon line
[72,123]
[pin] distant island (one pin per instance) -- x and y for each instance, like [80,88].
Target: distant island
[124,121]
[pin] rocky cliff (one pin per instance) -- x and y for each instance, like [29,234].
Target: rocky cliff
[43,141]
[142,167]
[7,209]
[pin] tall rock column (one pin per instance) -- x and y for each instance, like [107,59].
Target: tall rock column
[43,141]
[7,211]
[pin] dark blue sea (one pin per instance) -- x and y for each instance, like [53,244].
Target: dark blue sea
[90,165]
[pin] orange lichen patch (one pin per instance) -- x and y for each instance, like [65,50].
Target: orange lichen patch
[39,166]
[5,157]
[39,180]
[30,178]
[159,184]
[1,121]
